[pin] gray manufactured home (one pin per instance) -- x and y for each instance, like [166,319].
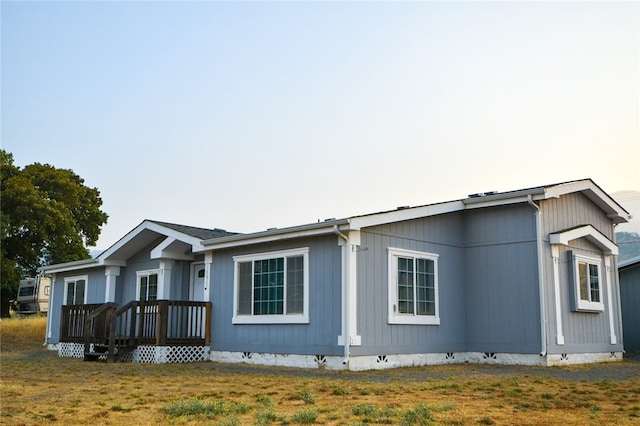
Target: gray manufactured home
[520,277]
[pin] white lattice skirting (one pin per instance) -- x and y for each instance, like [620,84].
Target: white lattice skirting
[146,354]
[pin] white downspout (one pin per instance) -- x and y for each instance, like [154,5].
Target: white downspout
[543,319]
[346,329]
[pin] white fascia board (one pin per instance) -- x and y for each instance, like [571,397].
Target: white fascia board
[152,226]
[70,266]
[163,250]
[592,191]
[400,215]
[124,240]
[302,231]
[501,199]
[588,232]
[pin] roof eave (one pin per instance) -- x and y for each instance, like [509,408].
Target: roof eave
[276,234]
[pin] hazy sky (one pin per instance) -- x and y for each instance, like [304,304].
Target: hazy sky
[251,115]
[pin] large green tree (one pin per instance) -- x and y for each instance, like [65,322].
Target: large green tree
[47,215]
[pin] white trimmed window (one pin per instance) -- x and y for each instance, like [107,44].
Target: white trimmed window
[587,283]
[75,290]
[147,288]
[413,287]
[271,288]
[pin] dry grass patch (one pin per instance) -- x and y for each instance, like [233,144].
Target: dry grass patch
[37,387]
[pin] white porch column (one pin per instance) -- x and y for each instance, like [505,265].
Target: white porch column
[164,280]
[609,282]
[110,272]
[555,254]
[208,261]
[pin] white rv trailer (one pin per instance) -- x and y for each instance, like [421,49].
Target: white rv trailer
[33,295]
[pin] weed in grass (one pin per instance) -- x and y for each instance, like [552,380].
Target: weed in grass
[50,417]
[305,417]
[307,397]
[120,408]
[594,411]
[486,421]
[546,395]
[418,415]
[199,408]
[263,399]
[340,391]
[374,414]
[525,406]
[447,406]
[267,416]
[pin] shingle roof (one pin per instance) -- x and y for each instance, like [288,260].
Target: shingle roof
[200,233]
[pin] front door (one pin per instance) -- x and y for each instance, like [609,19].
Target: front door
[197,318]
[197,283]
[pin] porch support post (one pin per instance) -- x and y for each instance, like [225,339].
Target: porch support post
[164,280]
[555,255]
[609,282]
[208,261]
[111,272]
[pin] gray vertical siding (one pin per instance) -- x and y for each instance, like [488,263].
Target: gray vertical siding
[501,280]
[318,337]
[95,289]
[573,210]
[630,296]
[442,235]
[583,331]
[488,283]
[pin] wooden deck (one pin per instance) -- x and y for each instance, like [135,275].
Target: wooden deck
[160,323]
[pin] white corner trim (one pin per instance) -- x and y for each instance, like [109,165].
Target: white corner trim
[555,253]
[609,282]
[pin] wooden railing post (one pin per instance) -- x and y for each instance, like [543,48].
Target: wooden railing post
[163,316]
[111,318]
[132,325]
[207,324]
[141,316]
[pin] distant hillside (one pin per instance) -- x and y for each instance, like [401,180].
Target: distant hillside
[630,200]
[629,244]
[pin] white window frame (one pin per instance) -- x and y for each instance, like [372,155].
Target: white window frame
[588,305]
[147,273]
[393,316]
[279,318]
[69,280]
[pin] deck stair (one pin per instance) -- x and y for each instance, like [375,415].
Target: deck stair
[109,332]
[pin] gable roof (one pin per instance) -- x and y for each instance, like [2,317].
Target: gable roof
[181,241]
[614,211]
[166,239]
[201,233]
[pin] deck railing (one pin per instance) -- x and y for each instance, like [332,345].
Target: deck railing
[158,322]
[72,321]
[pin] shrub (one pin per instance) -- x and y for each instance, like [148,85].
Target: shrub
[305,416]
[419,415]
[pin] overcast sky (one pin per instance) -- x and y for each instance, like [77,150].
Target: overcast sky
[251,115]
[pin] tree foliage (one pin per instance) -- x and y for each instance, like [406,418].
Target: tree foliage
[47,216]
